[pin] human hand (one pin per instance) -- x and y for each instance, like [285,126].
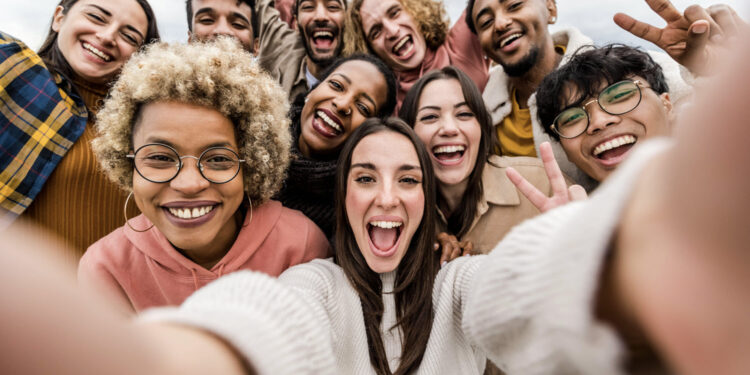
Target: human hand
[561,193]
[696,39]
[451,248]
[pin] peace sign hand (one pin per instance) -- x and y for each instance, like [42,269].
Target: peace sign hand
[695,39]
[561,193]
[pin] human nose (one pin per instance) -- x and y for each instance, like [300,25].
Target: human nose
[448,126]
[598,118]
[106,34]
[343,104]
[387,197]
[390,28]
[502,22]
[189,179]
[221,27]
[320,12]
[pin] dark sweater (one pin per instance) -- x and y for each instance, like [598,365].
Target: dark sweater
[309,186]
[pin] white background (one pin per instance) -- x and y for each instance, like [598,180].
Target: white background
[28,20]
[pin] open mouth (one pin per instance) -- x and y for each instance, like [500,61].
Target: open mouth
[384,236]
[96,52]
[190,213]
[404,47]
[448,154]
[614,149]
[323,39]
[327,124]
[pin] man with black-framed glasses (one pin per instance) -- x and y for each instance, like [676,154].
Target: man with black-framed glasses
[602,103]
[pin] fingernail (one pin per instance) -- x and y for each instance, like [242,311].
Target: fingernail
[442,264]
[700,28]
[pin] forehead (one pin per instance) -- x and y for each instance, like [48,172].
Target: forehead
[442,92]
[373,11]
[222,6]
[186,126]
[340,2]
[386,150]
[127,11]
[363,77]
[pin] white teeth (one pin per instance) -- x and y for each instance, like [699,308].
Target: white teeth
[95,51]
[329,121]
[187,213]
[613,143]
[386,224]
[448,149]
[509,39]
[319,34]
[401,43]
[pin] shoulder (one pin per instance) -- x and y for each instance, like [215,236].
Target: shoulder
[112,250]
[529,167]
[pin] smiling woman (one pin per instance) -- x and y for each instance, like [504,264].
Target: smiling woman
[48,174]
[198,134]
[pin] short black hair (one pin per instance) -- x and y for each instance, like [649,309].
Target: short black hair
[250,3]
[296,6]
[585,73]
[467,16]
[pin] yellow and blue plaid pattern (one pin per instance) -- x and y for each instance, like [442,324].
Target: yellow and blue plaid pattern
[39,122]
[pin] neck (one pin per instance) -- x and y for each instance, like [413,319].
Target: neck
[315,69]
[527,84]
[451,196]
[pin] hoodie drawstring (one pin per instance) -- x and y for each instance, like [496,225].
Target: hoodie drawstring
[195,278]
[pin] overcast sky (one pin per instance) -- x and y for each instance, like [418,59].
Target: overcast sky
[28,20]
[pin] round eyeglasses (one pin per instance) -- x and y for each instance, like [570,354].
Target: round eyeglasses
[616,99]
[161,163]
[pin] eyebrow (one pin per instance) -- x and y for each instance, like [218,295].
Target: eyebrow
[437,108]
[212,10]
[404,167]
[364,94]
[170,144]
[108,14]
[486,10]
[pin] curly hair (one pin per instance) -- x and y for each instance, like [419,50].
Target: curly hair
[218,75]
[429,15]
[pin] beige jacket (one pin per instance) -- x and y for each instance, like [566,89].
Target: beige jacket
[502,206]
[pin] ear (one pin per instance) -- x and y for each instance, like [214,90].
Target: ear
[552,9]
[256,46]
[57,18]
[294,22]
[191,36]
[667,103]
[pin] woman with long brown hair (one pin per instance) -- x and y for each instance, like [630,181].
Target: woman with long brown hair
[49,174]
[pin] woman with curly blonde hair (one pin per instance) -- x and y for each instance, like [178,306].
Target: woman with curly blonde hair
[412,38]
[204,217]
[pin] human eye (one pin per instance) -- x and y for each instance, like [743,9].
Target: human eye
[364,179]
[619,94]
[130,39]
[465,115]
[374,32]
[428,118]
[205,20]
[239,25]
[158,160]
[306,6]
[334,6]
[484,22]
[219,160]
[410,180]
[364,110]
[571,117]
[515,5]
[336,85]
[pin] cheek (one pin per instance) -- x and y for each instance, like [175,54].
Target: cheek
[424,134]
[143,193]
[572,148]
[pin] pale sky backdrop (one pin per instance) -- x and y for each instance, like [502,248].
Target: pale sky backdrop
[28,20]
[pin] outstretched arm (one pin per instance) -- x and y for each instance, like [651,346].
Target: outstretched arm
[694,38]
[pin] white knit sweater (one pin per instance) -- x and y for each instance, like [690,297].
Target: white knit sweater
[527,305]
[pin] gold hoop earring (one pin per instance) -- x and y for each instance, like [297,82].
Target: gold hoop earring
[127,221]
[250,201]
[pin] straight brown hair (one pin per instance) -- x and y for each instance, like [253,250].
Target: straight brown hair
[415,275]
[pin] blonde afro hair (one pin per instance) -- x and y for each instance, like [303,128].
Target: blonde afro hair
[218,75]
[429,15]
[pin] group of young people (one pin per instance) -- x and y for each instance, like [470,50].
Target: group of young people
[373,133]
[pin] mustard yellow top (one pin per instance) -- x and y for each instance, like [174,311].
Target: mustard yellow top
[78,204]
[515,132]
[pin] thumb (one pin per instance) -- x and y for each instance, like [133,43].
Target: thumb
[577,193]
[697,39]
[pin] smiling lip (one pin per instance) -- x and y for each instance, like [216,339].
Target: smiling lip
[327,124]
[189,223]
[445,148]
[509,41]
[622,140]
[384,253]
[406,55]
[96,53]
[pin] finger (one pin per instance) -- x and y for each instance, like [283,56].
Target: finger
[726,18]
[665,10]
[695,13]
[536,197]
[445,255]
[555,176]
[640,29]
[577,193]
[436,246]
[455,253]
[469,248]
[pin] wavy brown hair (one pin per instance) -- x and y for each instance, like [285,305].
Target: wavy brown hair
[462,217]
[415,275]
[430,16]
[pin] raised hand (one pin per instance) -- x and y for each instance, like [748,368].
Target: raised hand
[695,39]
[561,193]
[451,248]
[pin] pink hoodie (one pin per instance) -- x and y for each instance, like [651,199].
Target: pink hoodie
[144,270]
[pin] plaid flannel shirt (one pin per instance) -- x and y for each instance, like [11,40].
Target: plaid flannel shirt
[39,122]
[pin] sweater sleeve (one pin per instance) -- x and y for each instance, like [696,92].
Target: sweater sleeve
[280,326]
[466,53]
[530,304]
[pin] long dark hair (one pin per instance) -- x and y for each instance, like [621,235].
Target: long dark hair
[462,217]
[415,274]
[53,57]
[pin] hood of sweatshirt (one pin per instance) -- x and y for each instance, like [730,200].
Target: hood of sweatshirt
[165,258]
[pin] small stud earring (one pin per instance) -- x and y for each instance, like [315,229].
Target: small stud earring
[552,19]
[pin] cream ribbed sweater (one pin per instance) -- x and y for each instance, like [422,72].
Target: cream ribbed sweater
[527,305]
